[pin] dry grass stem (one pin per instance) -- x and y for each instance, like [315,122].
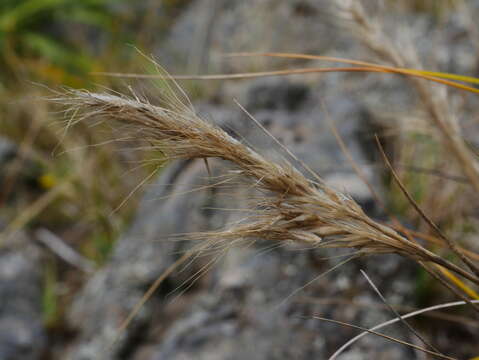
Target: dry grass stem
[369,331]
[406,324]
[395,320]
[452,245]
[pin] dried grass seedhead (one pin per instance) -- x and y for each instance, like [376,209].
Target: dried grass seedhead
[292,207]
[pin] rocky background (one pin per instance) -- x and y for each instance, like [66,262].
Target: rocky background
[257,302]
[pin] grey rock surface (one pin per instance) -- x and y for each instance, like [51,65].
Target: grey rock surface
[22,334]
[243,307]
[7,151]
[256,311]
[208,29]
[139,258]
